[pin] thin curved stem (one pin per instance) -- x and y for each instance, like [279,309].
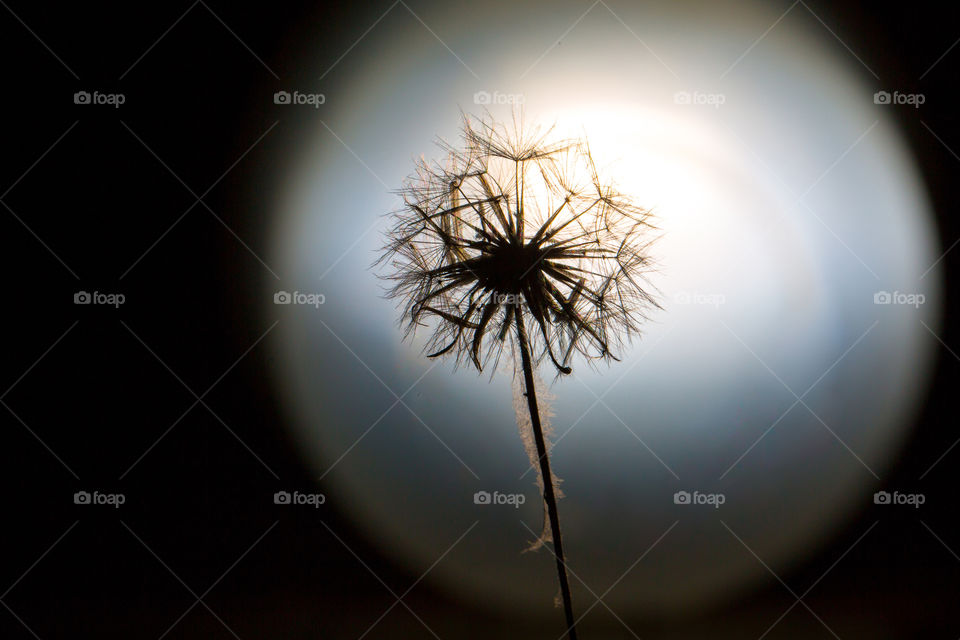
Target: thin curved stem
[548,494]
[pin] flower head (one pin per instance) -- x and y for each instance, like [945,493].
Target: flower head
[515,225]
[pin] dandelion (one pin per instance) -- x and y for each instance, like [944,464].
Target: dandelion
[514,244]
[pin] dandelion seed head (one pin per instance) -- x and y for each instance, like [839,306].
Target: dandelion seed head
[514,224]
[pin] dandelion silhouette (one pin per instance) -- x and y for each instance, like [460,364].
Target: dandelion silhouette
[515,244]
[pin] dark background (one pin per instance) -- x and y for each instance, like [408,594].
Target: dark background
[203,495]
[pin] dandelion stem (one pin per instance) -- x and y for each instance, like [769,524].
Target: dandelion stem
[547,477]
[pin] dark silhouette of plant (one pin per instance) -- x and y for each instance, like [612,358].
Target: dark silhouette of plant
[515,242]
